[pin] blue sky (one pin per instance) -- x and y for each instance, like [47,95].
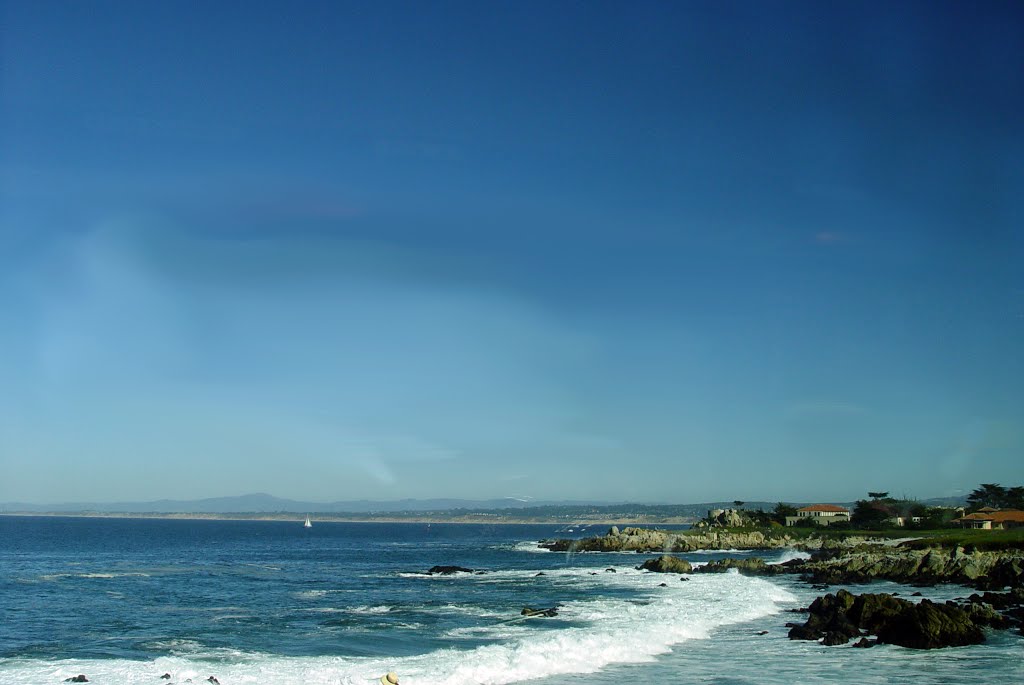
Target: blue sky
[662,252]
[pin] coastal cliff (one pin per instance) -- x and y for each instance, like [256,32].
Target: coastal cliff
[835,560]
[980,569]
[648,540]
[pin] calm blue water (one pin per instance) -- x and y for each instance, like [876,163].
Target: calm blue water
[126,600]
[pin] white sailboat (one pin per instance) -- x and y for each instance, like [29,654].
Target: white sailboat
[308,523]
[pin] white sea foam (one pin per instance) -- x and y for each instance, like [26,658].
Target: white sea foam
[316,594]
[105,575]
[232,617]
[603,631]
[433,576]
[471,611]
[790,555]
[379,609]
[531,547]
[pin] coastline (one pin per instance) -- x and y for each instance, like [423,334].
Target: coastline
[334,518]
[171,580]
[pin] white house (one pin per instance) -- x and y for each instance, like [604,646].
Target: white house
[820,514]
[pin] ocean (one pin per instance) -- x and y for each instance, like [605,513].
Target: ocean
[128,600]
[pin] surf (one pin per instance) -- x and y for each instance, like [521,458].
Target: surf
[587,636]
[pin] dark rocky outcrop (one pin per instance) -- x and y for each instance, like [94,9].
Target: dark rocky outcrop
[448,570]
[1000,600]
[928,626]
[835,619]
[754,566]
[77,679]
[984,615]
[530,611]
[666,564]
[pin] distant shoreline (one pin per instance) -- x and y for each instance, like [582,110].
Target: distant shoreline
[299,518]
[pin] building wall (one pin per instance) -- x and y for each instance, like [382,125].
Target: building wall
[830,518]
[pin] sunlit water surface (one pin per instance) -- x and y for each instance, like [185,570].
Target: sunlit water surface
[125,601]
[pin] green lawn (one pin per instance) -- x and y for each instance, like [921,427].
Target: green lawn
[946,537]
[978,539]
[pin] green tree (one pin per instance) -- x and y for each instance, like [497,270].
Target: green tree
[936,517]
[878,495]
[987,495]
[870,515]
[781,511]
[761,518]
[738,502]
[1015,497]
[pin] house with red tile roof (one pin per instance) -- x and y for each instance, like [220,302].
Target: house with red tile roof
[989,519]
[820,514]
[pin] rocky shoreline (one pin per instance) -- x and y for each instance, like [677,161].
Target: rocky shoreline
[835,619]
[845,560]
[649,540]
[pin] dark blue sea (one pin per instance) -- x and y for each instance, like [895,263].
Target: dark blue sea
[128,600]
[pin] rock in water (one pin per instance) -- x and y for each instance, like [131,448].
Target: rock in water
[530,611]
[929,626]
[755,566]
[448,570]
[666,564]
[837,618]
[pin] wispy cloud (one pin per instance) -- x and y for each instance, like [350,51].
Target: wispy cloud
[367,376]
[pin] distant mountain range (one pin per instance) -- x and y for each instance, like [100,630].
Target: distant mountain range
[263,503]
